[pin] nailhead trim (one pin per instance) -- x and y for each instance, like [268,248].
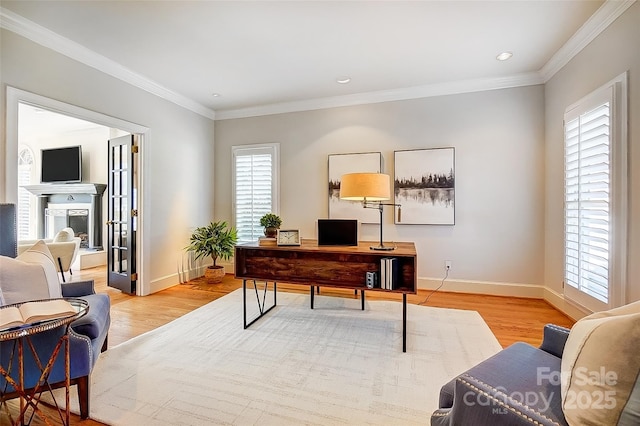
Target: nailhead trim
[558,328]
[512,409]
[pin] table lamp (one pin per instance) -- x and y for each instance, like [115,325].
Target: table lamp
[371,189]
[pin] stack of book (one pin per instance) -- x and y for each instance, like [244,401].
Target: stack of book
[389,273]
[265,241]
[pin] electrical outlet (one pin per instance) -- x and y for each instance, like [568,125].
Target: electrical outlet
[447,265]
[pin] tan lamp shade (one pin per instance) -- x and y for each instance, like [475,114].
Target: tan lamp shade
[365,186]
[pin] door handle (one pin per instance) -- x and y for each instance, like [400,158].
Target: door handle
[109,222]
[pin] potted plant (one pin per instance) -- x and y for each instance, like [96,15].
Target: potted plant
[215,240]
[271,223]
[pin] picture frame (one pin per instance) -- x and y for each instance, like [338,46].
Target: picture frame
[288,237]
[424,185]
[340,164]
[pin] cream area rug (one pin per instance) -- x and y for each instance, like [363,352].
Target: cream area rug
[333,365]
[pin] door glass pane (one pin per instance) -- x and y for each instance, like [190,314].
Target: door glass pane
[116,182]
[122,237]
[124,165]
[123,181]
[116,157]
[116,210]
[115,267]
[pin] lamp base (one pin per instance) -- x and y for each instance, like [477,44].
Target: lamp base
[382,247]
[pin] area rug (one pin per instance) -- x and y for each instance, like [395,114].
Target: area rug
[332,365]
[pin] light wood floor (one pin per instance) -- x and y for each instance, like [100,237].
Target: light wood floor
[511,319]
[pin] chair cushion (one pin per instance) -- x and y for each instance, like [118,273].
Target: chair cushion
[63,236]
[30,276]
[600,368]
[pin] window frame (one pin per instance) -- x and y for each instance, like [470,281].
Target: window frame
[274,150]
[615,91]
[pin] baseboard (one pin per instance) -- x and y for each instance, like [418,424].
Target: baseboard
[89,259]
[229,265]
[558,301]
[163,283]
[533,291]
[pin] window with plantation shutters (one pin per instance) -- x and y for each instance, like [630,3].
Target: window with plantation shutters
[25,199]
[255,187]
[594,197]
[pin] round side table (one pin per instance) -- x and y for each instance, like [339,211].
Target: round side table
[21,336]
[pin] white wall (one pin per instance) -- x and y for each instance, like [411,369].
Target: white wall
[178,176]
[613,52]
[499,140]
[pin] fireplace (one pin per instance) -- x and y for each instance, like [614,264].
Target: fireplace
[75,205]
[76,216]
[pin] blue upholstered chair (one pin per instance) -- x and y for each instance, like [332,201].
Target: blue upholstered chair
[587,375]
[8,235]
[25,279]
[482,395]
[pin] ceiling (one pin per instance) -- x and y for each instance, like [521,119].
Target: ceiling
[261,54]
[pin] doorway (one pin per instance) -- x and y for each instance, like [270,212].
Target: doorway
[17,99]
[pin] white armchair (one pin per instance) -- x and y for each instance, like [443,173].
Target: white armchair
[64,248]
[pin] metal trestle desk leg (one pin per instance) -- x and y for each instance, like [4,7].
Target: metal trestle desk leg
[262,308]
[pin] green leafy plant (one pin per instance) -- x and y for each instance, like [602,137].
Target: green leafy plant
[270,220]
[216,240]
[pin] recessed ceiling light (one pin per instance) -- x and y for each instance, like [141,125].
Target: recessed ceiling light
[343,80]
[215,95]
[504,56]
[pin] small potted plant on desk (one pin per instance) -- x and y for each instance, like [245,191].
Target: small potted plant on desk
[271,222]
[215,240]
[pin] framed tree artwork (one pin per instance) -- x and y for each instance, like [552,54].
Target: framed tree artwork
[424,184]
[340,164]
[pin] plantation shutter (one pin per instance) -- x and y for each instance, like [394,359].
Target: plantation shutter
[25,205]
[254,188]
[587,202]
[596,198]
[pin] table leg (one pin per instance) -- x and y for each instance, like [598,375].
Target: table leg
[404,322]
[362,298]
[67,373]
[312,295]
[261,304]
[21,391]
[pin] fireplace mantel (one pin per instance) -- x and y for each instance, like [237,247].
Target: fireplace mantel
[66,188]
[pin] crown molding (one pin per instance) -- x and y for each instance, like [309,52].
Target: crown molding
[406,93]
[601,19]
[17,24]
[596,24]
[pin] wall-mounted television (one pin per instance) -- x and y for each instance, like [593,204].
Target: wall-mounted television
[61,165]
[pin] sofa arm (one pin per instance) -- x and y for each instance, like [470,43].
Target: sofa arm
[77,288]
[554,339]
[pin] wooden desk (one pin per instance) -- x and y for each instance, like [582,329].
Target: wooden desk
[325,266]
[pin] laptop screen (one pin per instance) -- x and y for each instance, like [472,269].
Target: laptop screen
[337,232]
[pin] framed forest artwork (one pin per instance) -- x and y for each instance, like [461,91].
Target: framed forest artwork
[424,184]
[340,164]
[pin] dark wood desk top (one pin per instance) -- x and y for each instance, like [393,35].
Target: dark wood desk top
[402,248]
